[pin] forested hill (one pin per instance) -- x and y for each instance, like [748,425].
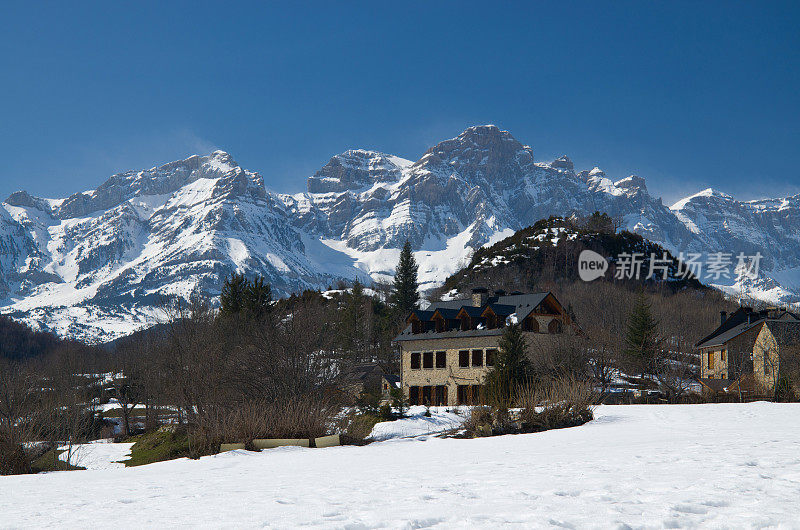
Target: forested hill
[544,257]
[548,252]
[18,341]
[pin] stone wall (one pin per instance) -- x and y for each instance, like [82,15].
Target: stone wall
[766,360]
[453,375]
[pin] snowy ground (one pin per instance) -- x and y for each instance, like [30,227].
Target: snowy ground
[656,466]
[417,424]
[101,454]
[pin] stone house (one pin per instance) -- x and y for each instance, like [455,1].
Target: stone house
[448,348]
[747,351]
[367,378]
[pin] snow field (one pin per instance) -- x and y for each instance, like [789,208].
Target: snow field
[640,466]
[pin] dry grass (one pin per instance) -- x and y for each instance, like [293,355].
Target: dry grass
[564,402]
[293,418]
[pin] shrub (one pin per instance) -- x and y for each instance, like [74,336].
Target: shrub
[486,421]
[359,428]
[369,403]
[564,402]
[399,401]
[386,413]
[480,421]
[307,417]
[12,459]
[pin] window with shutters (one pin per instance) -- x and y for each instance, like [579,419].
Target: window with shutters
[477,357]
[441,359]
[427,359]
[414,397]
[490,357]
[415,360]
[463,359]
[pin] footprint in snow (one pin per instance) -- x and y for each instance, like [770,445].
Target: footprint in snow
[689,508]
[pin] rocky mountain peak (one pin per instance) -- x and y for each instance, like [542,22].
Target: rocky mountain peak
[480,155]
[24,199]
[356,169]
[703,197]
[593,175]
[563,162]
[632,183]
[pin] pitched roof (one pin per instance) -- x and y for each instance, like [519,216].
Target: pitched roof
[472,311]
[502,305]
[742,320]
[421,314]
[786,332]
[446,312]
[522,303]
[503,310]
[392,379]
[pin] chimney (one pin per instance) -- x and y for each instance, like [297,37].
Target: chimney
[723,316]
[479,296]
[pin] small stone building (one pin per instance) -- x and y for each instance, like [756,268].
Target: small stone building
[746,351]
[367,378]
[448,348]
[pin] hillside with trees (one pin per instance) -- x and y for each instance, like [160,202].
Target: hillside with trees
[639,334]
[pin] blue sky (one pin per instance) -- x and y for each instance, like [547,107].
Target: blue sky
[688,95]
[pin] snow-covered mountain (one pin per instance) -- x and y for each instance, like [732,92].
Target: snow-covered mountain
[98,264]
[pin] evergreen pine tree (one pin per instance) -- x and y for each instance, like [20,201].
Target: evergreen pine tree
[232,299]
[406,296]
[352,321]
[641,340]
[257,297]
[512,367]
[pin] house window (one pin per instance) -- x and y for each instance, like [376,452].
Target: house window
[463,395]
[413,395]
[477,357]
[722,356]
[468,394]
[723,376]
[440,395]
[490,356]
[427,395]
[711,360]
[415,360]
[427,359]
[476,394]
[554,326]
[463,359]
[441,359]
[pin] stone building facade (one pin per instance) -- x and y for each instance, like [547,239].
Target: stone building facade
[746,351]
[447,350]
